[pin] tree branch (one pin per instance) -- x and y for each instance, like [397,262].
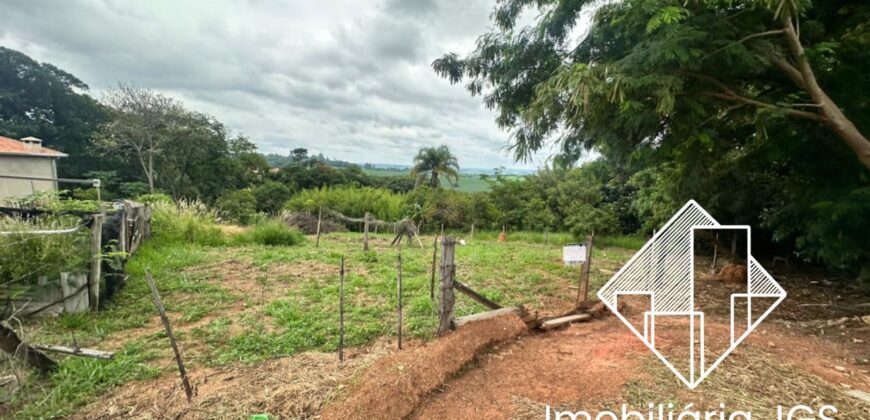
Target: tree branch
[760,104]
[744,39]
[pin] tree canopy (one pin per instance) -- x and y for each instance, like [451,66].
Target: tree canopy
[750,107]
[432,164]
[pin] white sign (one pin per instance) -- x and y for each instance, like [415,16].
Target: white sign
[574,254]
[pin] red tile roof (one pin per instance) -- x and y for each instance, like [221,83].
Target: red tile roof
[17,147]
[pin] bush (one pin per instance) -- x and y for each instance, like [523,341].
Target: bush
[271,233]
[238,206]
[270,196]
[351,202]
[185,222]
[27,256]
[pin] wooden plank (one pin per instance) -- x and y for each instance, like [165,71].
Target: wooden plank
[162,311]
[458,322]
[76,351]
[558,322]
[96,262]
[476,296]
[448,273]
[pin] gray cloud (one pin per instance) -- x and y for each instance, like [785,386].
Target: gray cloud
[347,78]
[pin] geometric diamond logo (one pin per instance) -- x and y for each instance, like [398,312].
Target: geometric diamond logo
[672,322]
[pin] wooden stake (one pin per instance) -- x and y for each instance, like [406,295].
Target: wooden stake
[96,262]
[715,252]
[319,217]
[162,311]
[472,233]
[434,258]
[448,273]
[366,233]
[399,291]
[341,312]
[583,290]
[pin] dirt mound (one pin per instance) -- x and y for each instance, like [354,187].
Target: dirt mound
[394,386]
[307,223]
[732,274]
[291,387]
[589,362]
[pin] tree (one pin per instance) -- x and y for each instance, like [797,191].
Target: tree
[646,63]
[757,109]
[41,100]
[140,125]
[434,163]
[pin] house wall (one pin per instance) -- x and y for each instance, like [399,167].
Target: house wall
[11,189]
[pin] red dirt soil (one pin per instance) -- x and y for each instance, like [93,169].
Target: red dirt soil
[584,362]
[395,385]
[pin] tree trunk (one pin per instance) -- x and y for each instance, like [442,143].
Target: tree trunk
[834,117]
[10,343]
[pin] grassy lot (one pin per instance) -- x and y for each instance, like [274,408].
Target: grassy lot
[467,182]
[232,301]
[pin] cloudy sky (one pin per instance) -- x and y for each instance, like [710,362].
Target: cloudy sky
[349,78]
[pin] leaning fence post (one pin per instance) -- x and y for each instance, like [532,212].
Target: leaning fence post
[448,273]
[162,311]
[96,262]
[399,293]
[341,312]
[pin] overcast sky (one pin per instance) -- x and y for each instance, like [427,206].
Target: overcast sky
[349,78]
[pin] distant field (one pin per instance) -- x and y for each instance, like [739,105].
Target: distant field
[467,183]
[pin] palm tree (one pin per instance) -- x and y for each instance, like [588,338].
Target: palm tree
[433,163]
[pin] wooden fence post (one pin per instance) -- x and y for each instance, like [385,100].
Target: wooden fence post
[96,262]
[434,259]
[448,273]
[583,290]
[341,312]
[399,292]
[122,231]
[162,311]
[472,233]
[366,233]
[319,217]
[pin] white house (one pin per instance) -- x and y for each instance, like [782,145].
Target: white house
[26,158]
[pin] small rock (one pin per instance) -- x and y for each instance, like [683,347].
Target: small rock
[857,341]
[847,386]
[839,369]
[866,319]
[771,344]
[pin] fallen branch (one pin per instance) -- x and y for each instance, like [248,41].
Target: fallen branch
[521,312]
[76,351]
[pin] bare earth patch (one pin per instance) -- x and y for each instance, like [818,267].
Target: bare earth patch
[290,387]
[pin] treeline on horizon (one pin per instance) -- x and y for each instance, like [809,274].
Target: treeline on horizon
[194,156]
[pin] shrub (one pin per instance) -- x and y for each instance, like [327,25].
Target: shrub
[271,233]
[27,256]
[351,202]
[185,222]
[238,206]
[154,198]
[270,196]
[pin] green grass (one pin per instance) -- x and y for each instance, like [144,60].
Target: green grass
[467,182]
[298,310]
